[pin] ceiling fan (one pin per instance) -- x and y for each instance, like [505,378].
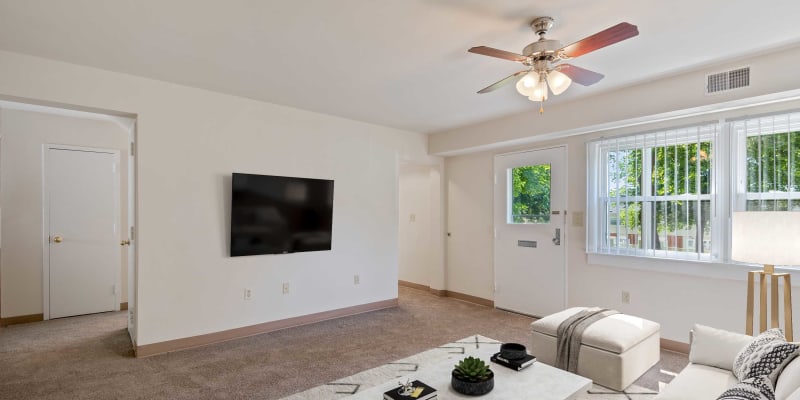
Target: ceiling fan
[543,59]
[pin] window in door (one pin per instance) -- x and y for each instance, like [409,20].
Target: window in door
[530,194]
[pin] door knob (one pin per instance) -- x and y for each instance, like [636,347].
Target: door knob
[125,242]
[57,239]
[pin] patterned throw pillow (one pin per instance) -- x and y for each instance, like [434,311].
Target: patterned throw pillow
[757,388]
[765,356]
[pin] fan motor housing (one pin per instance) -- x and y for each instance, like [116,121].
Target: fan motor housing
[544,46]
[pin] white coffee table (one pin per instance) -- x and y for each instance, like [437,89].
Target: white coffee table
[539,381]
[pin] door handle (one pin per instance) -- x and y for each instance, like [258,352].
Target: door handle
[557,237]
[125,242]
[58,239]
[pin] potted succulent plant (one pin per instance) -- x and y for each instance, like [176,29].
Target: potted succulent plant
[471,376]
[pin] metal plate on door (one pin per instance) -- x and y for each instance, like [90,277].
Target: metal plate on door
[526,243]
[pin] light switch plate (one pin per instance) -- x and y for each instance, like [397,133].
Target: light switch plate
[577,219]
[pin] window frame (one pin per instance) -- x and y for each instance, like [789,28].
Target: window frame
[510,200]
[598,238]
[729,191]
[740,132]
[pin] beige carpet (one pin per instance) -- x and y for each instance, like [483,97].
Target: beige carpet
[399,369]
[90,357]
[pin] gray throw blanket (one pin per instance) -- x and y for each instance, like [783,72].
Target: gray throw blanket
[570,333]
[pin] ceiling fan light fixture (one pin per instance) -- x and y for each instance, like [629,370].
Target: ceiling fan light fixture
[528,83]
[558,82]
[543,57]
[540,92]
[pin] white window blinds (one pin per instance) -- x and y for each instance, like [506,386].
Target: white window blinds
[768,163]
[652,194]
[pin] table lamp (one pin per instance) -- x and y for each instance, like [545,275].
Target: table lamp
[770,238]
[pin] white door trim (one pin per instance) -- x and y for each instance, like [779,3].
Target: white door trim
[565,223]
[46,220]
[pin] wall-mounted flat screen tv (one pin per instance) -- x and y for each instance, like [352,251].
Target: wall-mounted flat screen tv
[280,214]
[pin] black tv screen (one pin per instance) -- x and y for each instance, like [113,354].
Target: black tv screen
[280,214]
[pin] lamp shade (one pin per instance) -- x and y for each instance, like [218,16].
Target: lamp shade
[540,92]
[558,82]
[766,237]
[528,83]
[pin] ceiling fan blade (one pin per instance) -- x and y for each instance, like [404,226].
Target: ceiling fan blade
[502,82]
[492,52]
[580,75]
[616,33]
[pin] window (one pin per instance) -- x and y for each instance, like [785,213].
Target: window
[654,194]
[530,197]
[659,194]
[769,163]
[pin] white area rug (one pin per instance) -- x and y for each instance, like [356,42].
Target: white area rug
[353,384]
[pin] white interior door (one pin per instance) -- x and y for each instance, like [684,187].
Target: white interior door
[82,222]
[529,248]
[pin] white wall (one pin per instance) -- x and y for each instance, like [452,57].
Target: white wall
[24,133]
[188,142]
[676,300]
[676,294]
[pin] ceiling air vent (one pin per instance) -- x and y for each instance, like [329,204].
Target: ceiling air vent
[728,80]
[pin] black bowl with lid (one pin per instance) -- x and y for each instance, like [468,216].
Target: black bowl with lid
[513,351]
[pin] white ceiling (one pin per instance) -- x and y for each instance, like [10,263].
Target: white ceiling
[398,63]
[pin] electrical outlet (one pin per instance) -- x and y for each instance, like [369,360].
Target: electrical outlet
[356,279]
[285,287]
[626,297]
[248,294]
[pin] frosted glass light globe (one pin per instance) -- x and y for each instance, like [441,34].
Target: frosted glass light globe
[540,92]
[558,82]
[527,84]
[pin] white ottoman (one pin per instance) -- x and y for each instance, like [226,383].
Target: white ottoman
[615,351]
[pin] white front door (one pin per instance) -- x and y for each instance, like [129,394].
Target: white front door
[82,205]
[530,200]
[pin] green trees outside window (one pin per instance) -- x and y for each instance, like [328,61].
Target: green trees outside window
[675,197]
[530,194]
[773,168]
[670,193]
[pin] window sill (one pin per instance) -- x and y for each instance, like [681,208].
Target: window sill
[704,269]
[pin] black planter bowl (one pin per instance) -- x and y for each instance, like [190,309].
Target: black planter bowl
[512,351]
[472,388]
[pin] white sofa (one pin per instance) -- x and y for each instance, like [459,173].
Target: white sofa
[711,358]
